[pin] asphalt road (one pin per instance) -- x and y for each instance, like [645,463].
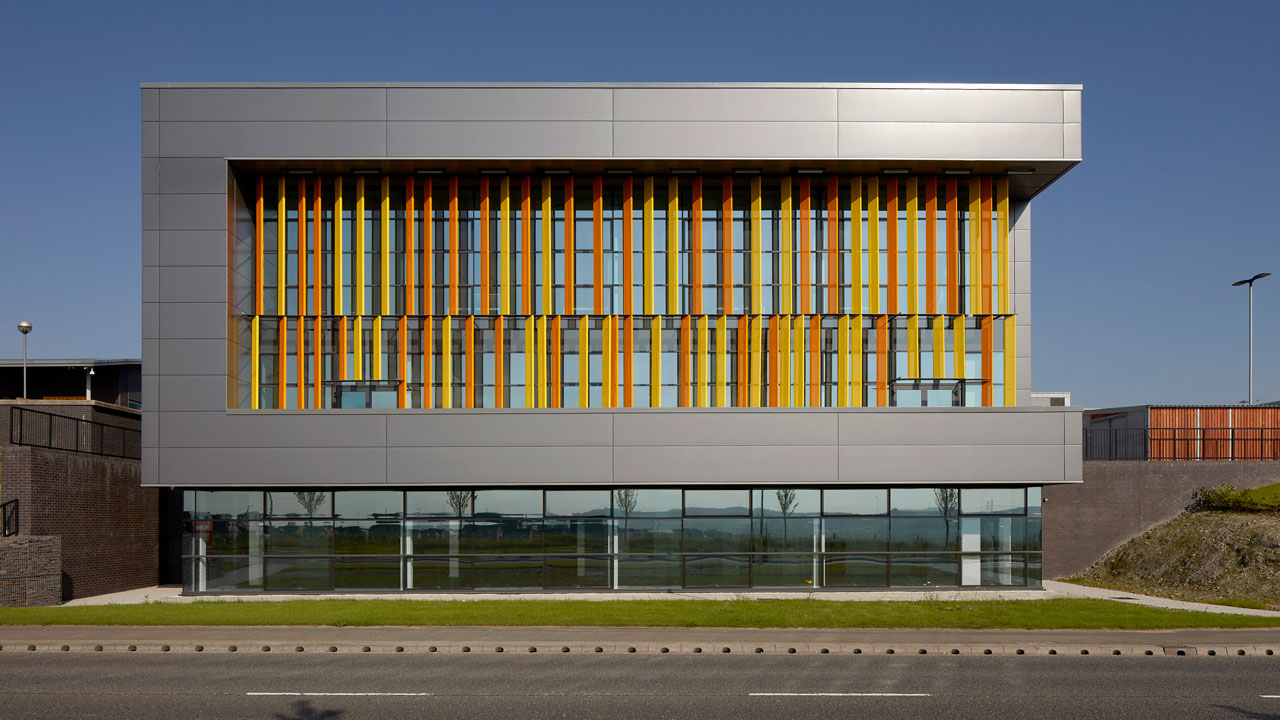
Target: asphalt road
[622,687]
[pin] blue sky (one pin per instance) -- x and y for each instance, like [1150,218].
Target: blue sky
[1134,250]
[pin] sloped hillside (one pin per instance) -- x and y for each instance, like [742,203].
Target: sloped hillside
[1227,558]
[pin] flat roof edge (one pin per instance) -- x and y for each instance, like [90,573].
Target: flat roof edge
[611,85]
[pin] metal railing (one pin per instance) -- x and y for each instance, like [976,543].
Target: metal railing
[1182,444]
[9,518]
[59,432]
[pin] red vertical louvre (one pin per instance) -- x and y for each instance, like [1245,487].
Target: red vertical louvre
[484,246]
[803,250]
[570,284]
[988,387]
[628,329]
[695,235]
[597,243]
[891,241]
[833,244]
[402,356]
[526,250]
[499,362]
[410,250]
[744,360]
[931,246]
[726,244]
[953,247]
[628,279]
[986,246]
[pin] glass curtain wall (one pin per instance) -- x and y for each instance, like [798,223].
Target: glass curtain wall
[631,538]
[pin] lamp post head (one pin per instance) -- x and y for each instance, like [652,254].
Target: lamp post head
[24,327]
[1259,276]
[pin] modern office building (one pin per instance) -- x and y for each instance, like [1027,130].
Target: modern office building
[456,336]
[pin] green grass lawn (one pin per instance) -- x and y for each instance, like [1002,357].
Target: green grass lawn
[800,613]
[1266,497]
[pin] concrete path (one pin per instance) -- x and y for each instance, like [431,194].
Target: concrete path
[1052,590]
[1071,590]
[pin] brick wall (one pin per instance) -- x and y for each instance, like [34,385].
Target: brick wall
[1120,500]
[108,523]
[30,571]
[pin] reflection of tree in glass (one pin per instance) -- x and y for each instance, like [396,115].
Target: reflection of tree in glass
[626,501]
[458,501]
[948,502]
[311,501]
[786,502]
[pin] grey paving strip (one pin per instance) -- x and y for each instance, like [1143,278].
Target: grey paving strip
[292,640]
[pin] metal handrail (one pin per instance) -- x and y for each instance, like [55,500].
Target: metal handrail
[37,428]
[1195,444]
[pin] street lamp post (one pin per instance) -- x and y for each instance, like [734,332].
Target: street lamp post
[1249,282]
[24,327]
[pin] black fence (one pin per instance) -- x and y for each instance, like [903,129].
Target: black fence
[9,518]
[1182,444]
[59,432]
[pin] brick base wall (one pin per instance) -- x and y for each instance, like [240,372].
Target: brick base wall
[1120,500]
[107,522]
[30,571]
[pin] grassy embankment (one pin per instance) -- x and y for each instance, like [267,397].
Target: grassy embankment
[800,613]
[1226,551]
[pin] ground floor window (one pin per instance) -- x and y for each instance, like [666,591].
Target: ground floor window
[451,539]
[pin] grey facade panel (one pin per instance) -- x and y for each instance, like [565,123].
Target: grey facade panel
[1022,277]
[276,104]
[196,467]
[950,106]
[193,284]
[150,284]
[724,428]
[952,464]
[150,465]
[724,139]
[150,105]
[499,139]
[150,175]
[150,320]
[193,357]
[286,430]
[150,247]
[150,428]
[723,465]
[150,365]
[724,104]
[508,104]
[461,428]
[193,212]
[191,392]
[274,139]
[1072,142]
[949,427]
[150,212]
[706,464]
[950,141]
[150,139]
[498,465]
[1071,106]
[193,320]
[192,248]
[194,175]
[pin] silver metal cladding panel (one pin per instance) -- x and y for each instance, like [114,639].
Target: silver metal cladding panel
[190,132]
[638,447]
